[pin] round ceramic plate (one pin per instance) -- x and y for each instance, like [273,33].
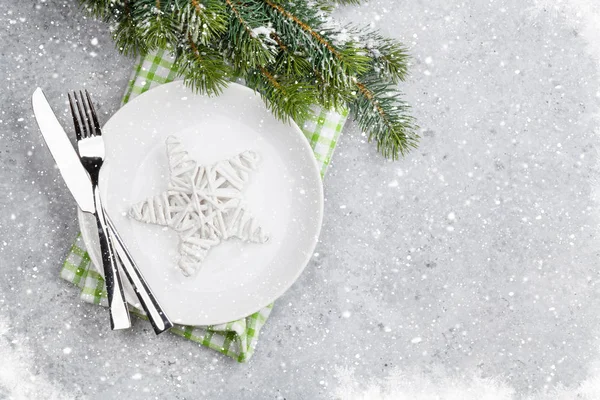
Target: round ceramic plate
[285,195]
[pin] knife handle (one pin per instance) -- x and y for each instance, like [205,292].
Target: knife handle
[119,313]
[159,320]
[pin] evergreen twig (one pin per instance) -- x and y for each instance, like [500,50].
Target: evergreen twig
[290,51]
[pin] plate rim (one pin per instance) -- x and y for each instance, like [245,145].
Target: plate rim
[94,252]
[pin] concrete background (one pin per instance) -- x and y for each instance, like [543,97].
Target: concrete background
[467,269]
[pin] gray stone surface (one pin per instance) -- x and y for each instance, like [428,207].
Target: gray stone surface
[468,267]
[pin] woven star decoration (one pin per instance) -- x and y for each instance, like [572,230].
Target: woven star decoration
[203,204]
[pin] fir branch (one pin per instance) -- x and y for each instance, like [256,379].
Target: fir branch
[388,57]
[291,52]
[202,21]
[245,46]
[283,98]
[202,66]
[379,110]
[102,9]
[128,36]
[336,65]
[296,65]
[305,28]
[157,27]
[332,64]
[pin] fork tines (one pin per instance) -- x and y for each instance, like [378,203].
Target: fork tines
[87,124]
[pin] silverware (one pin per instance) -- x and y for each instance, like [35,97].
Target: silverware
[91,154]
[69,164]
[78,182]
[159,320]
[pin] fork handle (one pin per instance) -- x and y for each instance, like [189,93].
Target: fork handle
[159,320]
[119,313]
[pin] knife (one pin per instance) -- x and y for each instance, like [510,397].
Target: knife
[69,165]
[78,182]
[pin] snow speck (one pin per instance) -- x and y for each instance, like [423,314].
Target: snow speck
[393,184]
[137,376]
[67,350]
[416,340]
[94,41]
[346,314]
[262,30]
[428,60]
[451,216]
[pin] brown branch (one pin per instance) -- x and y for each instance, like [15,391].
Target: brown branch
[270,77]
[238,16]
[371,97]
[277,39]
[284,48]
[305,27]
[196,5]
[194,49]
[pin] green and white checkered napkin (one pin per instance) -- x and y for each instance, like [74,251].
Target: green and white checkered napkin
[236,339]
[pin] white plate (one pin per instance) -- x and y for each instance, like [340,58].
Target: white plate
[285,194]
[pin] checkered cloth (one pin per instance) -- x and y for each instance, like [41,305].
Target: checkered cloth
[236,339]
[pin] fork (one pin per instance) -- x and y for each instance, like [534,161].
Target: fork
[91,152]
[159,320]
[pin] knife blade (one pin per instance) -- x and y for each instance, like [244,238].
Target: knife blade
[64,154]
